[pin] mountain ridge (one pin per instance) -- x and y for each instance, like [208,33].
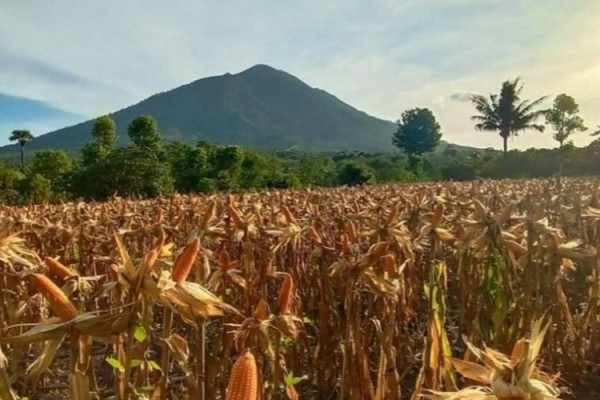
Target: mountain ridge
[259,107]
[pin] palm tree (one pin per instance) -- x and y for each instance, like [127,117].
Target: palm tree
[22,137]
[506,113]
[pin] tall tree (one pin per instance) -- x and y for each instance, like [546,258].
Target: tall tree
[10,179]
[91,179]
[142,168]
[51,164]
[418,133]
[136,172]
[22,137]
[506,113]
[104,132]
[564,119]
[143,132]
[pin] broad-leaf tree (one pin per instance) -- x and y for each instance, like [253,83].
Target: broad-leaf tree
[187,164]
[22,137]
[134,172]
[143,132]
[104,132]
[10,179]
[506,113]
[93,177]
[51,164]
[353,174]
[418,133]
[142,169]
[564,119]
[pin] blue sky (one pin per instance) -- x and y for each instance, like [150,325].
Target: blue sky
[66,61]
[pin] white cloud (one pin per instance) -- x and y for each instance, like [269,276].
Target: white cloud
[439,102]
[461,96]
[381,56]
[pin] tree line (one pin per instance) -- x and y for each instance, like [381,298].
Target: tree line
[505,113]
[149,167]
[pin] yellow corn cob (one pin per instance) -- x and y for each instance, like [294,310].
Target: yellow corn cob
[285,294]
[160,242]
[235,216]
[224,260]
[289,217]
[59,302]
[149,261]
[243,383]
[438,214]
[183,264]
[210,211]
[57,268]
[351,232]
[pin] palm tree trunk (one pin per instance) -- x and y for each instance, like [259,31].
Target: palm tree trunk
[560,165]
[22,157]
[505,139]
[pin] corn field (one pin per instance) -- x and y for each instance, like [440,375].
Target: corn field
[479,290]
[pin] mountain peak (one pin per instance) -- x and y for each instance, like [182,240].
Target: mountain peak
[266,73]
[259,68]
[259,107]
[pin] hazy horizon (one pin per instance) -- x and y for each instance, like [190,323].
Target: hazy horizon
[69,62]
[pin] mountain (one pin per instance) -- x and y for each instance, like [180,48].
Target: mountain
[259,107]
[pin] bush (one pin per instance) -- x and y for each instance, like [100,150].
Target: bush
[206,185]
[353,174]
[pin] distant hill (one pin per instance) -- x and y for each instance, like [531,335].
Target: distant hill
[259,107]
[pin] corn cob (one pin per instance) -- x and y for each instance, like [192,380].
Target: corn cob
[285,294]
[235,216]
[59,302]
[438,214]
[183,264]
[351,233]
[243,383]
[289,217]
[57,268]
[160,242]
[149,260]
[224,260]
[210,211]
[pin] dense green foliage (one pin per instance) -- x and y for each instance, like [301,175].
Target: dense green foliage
[149,167]
[353,173]
[564,119]
[418,133]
